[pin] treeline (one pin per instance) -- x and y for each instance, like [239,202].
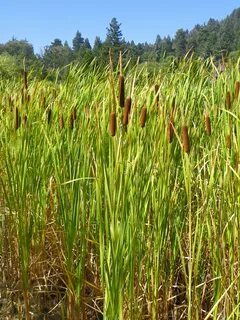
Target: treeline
[216,38]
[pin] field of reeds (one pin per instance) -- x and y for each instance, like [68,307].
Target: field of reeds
[120,195]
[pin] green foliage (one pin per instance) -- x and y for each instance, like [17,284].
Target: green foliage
[130,226]
[9,66]
[114,34]
[180,43]
[216,38]
[77,42]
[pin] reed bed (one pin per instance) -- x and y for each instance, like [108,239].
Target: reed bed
[103,223]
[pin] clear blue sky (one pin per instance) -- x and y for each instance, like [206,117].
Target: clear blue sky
[41,21]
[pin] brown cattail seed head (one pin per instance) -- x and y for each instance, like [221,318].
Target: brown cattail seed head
[49,115]
[43,101]
[121,91]
[170,131]
[74,113]
[25,120]
[237,89]
[61,121]
[17,119]
[128,104]
[228,141]
[23,95]
[143,117]
[71,121]
[185,138]
[228,100]
[113,124]
[208,124]
[127,109]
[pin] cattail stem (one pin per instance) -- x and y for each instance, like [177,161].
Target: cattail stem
[143,117]
[121,91]
[185,138]
[113,124]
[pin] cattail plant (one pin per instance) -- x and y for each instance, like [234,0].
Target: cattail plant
[127,109]
[157,94]
[237,89]
[22,95]
[170,131]
[228,100]
[43,100]
[121,91]
[17,118]
[173,106]
[71,121]
[112,124]
[74,113]
[208,125]
[228,141]
[185,138]
[61,121]
[49,115]
[143,117]
[25,120]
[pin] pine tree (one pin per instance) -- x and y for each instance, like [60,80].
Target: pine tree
[114,34]
[77,42]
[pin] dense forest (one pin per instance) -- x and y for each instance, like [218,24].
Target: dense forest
[215,38]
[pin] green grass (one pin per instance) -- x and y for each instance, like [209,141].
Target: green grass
[127,227]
